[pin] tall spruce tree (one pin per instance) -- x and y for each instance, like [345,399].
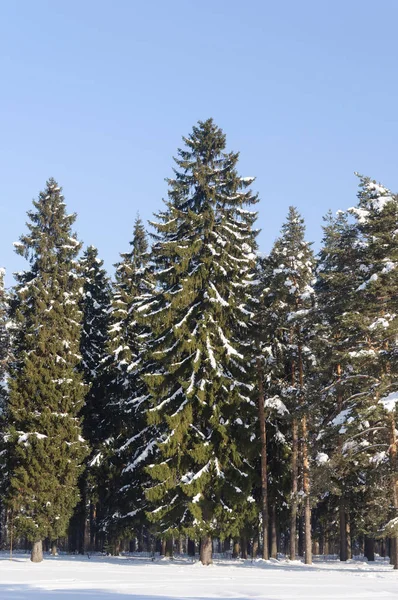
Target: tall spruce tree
[46,448]
[202,380]
[95,305]
[290,334]
[129,441]
[377,331]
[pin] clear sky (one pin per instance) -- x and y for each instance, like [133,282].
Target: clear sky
[98,94]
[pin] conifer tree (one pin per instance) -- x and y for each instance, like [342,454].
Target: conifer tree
[95,306]
[129,441]
[46,448]
[201,382]
[377,331]
[290,331]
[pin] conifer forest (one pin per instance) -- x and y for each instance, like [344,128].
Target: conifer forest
[204,398]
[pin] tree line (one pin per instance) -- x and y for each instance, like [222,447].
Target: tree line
[210,397]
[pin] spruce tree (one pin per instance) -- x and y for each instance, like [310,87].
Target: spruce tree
[201,381]
[95,306]
[377,331]
[129,442]
[45,444]
[290,332]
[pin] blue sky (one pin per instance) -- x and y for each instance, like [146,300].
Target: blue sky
[98,94]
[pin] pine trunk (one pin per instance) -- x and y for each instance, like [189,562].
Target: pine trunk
[243,545]
[255,547]
[36,555]
[54,549]
[293,508]
[274,537]
[306,473]
[343,530]
[264,478]
[369,549]
[191,547]
[394,461]
[236,549]
[206,550]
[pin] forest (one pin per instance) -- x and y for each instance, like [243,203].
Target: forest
[207,397]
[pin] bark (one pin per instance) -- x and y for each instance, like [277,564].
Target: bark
[369,549]
[236,549]
[255,547]
[394,469]
[163,550]
[206,550]
[274,537]
[54,548]
[343,530]
[264,475]
[306,472]
[191,547]
[36,555]
[169,547]
[348,535]
[243,545]
[293,508]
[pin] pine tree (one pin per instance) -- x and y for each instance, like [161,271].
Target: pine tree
[95,306]
[202,380]
[46,448]
[4,341]
[290,332]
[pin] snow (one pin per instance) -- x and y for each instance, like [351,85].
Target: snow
[135,578]
[389,402]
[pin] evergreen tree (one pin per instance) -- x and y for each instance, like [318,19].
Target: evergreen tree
[46,448]
[291,363]
[129,441]
[95,306]
[201,380]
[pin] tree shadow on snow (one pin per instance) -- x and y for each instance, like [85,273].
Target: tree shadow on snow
[27,592]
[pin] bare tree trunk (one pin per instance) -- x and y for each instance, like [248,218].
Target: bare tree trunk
[243,545]
[206,550]
[264,475]
[169,547]
[54,548]
[36,555]
[274,537]
[293,508]
[163,550]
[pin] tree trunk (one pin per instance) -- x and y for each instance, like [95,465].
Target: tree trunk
[191,547]
[243,545]
[54,548]
[169,547]
[394,461]
[255,547]
[274,537]
[163,550]
[36,555]
[236,549]
[348,535]
[306,473]
[343,530]
[206,550]
[293,508]
[264,476]
[369,548]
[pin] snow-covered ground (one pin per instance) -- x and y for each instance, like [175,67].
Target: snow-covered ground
[107,578]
